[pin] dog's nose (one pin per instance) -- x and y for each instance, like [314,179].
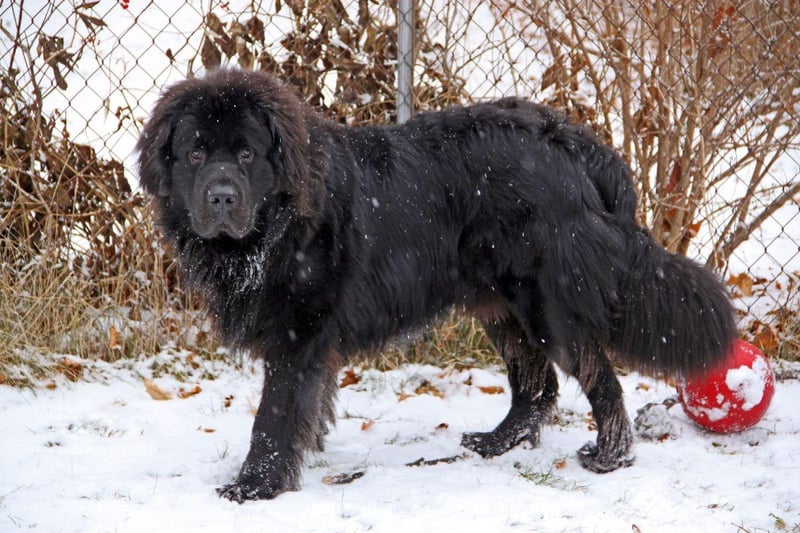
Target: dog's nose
[222,197]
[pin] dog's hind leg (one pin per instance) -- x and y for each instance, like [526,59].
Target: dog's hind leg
[613,448]
[534,389]
[583,357]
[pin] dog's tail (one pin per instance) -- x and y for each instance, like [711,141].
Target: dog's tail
[674,316]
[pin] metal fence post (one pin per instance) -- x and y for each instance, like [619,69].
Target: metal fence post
[405,43]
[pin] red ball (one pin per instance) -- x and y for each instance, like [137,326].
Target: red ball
[733,397]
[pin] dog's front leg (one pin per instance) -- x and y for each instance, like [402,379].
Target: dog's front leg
[292,416]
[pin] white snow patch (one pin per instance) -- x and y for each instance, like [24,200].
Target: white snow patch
[748,383]
[714,414]
[104,456]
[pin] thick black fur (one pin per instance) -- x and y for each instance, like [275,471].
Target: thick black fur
[310,241]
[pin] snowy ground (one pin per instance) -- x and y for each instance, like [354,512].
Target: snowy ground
[102,455]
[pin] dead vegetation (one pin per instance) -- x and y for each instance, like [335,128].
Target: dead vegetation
[693,95]
[340,58]
[80,272]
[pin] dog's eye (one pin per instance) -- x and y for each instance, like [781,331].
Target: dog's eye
[197,156]
[246,154]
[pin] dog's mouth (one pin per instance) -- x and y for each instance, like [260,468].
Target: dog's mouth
[223,229]
[221,207]
[235,225]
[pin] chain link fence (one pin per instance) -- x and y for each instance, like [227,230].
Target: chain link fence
[701,97]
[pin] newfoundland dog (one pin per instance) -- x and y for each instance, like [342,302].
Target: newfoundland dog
[310,241]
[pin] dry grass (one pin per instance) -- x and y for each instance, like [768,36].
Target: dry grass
[789,346]
[79,271]
[47,311]
[457,341]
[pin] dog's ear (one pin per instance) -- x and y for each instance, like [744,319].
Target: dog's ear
[154,145]
[295,157]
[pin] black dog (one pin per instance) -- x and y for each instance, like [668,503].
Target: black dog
[311,241]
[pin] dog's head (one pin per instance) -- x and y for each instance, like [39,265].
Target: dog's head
[220,148]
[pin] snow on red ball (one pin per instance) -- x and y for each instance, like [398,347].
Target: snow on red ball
[733,397]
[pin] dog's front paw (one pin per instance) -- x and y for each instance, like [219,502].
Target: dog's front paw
[241,492]
[592,458]
[256,483]
[480,443]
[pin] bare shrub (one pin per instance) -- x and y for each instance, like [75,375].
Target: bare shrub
[80,268]
[701,97]
[79,271]
[340,58]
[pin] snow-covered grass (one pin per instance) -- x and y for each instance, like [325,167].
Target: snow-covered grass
[101,454]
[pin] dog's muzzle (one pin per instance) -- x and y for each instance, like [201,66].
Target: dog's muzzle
[221,202]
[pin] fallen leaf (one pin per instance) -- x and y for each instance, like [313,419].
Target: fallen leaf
[72,370]
[183,394]
[51,386]
[227,401]
[343,478]
[114,338]
[427,388]
[643,386]
[206,430]
[442,426]
[366,424]
[350,378]
[155,392]
[191,361]
[403,397]
[492,390]
[560,465]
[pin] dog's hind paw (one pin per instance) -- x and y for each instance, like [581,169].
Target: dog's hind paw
[497,442]
[595,460]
